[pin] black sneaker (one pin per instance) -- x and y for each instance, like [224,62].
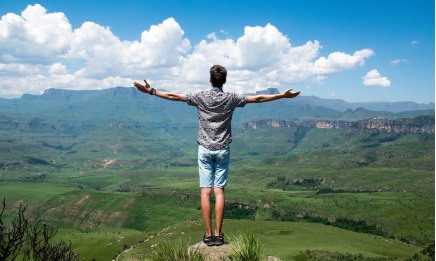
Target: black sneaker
[209,241]
[219,240]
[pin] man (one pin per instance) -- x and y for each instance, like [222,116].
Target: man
[215,110]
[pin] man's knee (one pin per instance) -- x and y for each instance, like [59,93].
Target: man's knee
[205,192]
[219,192]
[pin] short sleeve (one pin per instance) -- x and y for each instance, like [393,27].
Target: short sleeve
[239,100]
[192,99]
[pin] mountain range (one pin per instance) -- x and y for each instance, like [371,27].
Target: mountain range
[341,105]
[102,105]
[127,124]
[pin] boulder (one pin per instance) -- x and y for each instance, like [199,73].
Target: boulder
[214,253]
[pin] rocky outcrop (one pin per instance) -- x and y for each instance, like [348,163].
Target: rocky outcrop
[421,124]
[269,123]
[216,253]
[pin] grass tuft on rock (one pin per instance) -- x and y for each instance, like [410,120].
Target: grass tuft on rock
[246,247]
[168,252]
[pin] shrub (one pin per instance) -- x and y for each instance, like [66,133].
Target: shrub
[30,241]
[429,251]
[246,247]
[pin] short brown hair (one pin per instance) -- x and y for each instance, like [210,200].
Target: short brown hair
[218,74]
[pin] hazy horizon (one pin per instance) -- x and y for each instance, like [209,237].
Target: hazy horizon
[302,95]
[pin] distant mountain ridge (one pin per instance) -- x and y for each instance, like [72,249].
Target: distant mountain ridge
[341,105]
[82,95]
[101,106]
[267,91]
[130,92]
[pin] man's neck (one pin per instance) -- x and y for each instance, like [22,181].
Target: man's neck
[216,89]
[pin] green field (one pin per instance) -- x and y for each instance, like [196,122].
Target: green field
[287,239]
[122,181]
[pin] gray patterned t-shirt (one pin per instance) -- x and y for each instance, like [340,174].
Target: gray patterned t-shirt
[215,110]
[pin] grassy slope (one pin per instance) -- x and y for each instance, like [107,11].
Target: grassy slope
[86,208]
[287,239]
[98,223]
[100,244]
[400,166]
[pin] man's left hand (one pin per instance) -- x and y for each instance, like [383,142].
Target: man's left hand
[146,88]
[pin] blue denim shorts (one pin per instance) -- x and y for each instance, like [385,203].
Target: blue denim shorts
[213,167]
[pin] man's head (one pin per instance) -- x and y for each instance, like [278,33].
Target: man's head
[218,75]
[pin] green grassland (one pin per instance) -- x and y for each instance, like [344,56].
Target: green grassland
[109,186]
[101,243]
[286,239]
[100,224]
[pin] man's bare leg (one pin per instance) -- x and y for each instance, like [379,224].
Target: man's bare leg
[205,209]
[219,209]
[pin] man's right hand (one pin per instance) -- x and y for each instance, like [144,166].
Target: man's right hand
[289,94]
[142,88]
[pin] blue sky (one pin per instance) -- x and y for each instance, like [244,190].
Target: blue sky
[356,51]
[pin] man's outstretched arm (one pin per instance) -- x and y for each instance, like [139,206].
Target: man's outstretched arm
[273,97]
[172,96]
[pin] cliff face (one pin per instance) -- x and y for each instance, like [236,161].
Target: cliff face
[269,123]
[422,124]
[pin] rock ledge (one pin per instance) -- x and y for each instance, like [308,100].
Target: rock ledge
[216,253]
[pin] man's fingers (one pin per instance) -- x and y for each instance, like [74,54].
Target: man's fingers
[146,83]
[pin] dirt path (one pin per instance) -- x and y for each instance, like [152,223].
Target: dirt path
[108,162]
[127,250]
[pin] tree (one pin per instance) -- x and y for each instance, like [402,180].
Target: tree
[25,240]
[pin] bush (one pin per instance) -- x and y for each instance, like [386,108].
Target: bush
[246,247]
[429,251]
[301,257]
[167,252]
[30,241]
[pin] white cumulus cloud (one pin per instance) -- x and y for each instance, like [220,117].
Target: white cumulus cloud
[395,62]
[106,55]
[34,37]
[319,79]
[57,68]
[19,69]
[44,49]
[373,78]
